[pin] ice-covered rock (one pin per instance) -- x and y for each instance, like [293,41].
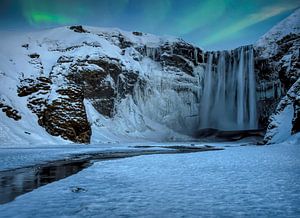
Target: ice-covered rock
[88,84]
[53,72]
[286,120]
[277,63]
[277,69]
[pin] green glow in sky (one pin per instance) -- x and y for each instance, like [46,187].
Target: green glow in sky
[35,18]
[154,12]
[208,23]
[44,13]
[245,22]
[196,16]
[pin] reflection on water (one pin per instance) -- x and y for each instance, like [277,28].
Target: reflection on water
[17,182]
[20,181]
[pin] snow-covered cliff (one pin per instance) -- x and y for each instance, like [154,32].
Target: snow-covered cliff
[86,84]
[286,119]
[97,85]
[278,72]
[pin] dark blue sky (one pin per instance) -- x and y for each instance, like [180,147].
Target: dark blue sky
[212,24]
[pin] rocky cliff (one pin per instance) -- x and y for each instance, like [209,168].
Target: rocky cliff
[87,84]
[278,70]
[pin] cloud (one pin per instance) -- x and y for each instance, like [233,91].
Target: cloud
[248,21]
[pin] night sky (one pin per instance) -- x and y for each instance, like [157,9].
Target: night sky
[212,24]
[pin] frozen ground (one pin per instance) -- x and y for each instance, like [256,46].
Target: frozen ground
[239,181]
[13,157]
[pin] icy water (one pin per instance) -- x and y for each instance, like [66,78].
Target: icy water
[237,182]
[17,182]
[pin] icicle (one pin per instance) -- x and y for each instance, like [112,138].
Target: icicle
[196,55]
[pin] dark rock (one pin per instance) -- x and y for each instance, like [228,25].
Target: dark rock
[25,46]
[137,33]
[29,86]
[186,50]
[78,29]
[78,189]
[64,116]
[202,133]
[177,61]
[34,55]
[228,135]
[66,119]
[104,88]
[65,59]
[10,112]
[291,99]
[276,74]
[123,43]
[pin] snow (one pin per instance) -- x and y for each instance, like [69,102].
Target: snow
[96,43]
[156,111]
[290,25]
[237,182]
[283,121]
[15,156]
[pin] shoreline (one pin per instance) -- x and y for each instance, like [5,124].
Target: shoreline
[39,175]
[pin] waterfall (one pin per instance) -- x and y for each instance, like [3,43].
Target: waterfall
[252,91]
[229,95]
[207,93]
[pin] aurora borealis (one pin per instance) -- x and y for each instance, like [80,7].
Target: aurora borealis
[212,24]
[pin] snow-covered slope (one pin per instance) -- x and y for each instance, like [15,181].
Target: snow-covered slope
[45,76]
[95,85]
[286,119]
[288,26]
[278,74]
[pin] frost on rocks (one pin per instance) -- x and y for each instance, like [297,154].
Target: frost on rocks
[49,77]
[93,85]
[277,64]
[286,120]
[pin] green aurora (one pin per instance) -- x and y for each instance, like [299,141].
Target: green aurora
[208,23]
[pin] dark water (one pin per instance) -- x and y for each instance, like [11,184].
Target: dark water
[17,182]
[20,181]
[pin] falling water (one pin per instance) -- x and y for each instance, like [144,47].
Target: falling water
[229,95]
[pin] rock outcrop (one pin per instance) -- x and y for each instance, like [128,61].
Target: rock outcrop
[286,119]
[278,68]
[276,74]
[10,111]
[141,85]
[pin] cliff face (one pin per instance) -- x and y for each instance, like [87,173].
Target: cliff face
[286,119]
[88,84]
[278,69]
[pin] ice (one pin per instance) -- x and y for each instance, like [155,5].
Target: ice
[133,120]
[237,182]
[166,104]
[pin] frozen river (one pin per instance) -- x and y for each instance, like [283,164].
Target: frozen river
[239,181]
